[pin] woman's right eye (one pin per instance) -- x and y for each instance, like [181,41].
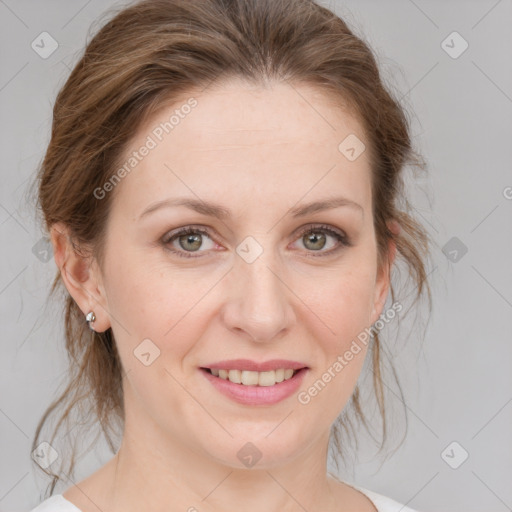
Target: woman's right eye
[189,240]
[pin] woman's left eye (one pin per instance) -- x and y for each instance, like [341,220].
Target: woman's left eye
[317,236]
[190,239]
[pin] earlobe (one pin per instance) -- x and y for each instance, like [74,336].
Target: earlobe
[79,277]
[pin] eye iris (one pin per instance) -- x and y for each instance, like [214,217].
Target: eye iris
[314,237]
[190,237]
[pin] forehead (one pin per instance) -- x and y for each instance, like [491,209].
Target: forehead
[279,140]
[245,114]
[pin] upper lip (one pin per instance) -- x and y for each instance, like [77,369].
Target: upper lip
[254,366]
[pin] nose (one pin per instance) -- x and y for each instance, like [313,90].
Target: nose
[259,303]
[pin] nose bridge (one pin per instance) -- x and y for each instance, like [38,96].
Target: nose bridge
[259,301]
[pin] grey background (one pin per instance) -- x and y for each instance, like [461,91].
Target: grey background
[458,384]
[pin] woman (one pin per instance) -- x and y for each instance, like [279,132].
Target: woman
[221,190]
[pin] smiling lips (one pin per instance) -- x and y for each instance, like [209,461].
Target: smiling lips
[251,373]
[249,378]
[253,383]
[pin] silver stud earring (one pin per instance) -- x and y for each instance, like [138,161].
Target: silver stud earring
[90,317]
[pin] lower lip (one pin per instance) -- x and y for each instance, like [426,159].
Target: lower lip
[257,395]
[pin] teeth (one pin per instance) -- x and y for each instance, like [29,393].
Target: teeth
[248,378]
[267,378]
[235,376]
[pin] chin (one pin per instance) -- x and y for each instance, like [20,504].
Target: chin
[261,447]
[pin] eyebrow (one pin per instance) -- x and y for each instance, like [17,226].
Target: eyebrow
[222,213]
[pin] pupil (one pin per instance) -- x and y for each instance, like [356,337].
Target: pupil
[314,237]
[191,239]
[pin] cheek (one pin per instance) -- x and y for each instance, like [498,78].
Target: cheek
[344,306]
[342,302]
[148,301]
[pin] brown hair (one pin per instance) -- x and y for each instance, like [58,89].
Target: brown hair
[146,56]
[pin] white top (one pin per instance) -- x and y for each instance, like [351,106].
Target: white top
[58,503]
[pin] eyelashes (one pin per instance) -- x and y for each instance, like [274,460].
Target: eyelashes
[341,238]
[186,231]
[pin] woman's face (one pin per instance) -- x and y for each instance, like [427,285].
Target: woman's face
[247,283]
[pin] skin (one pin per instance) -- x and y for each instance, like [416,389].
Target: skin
[259,152]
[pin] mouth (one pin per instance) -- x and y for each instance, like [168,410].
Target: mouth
[256,388]
[253,378]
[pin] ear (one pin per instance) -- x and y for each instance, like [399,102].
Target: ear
[81,277]
[383,281]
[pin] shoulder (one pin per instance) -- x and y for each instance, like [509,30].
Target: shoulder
[56,503]
[384,503]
